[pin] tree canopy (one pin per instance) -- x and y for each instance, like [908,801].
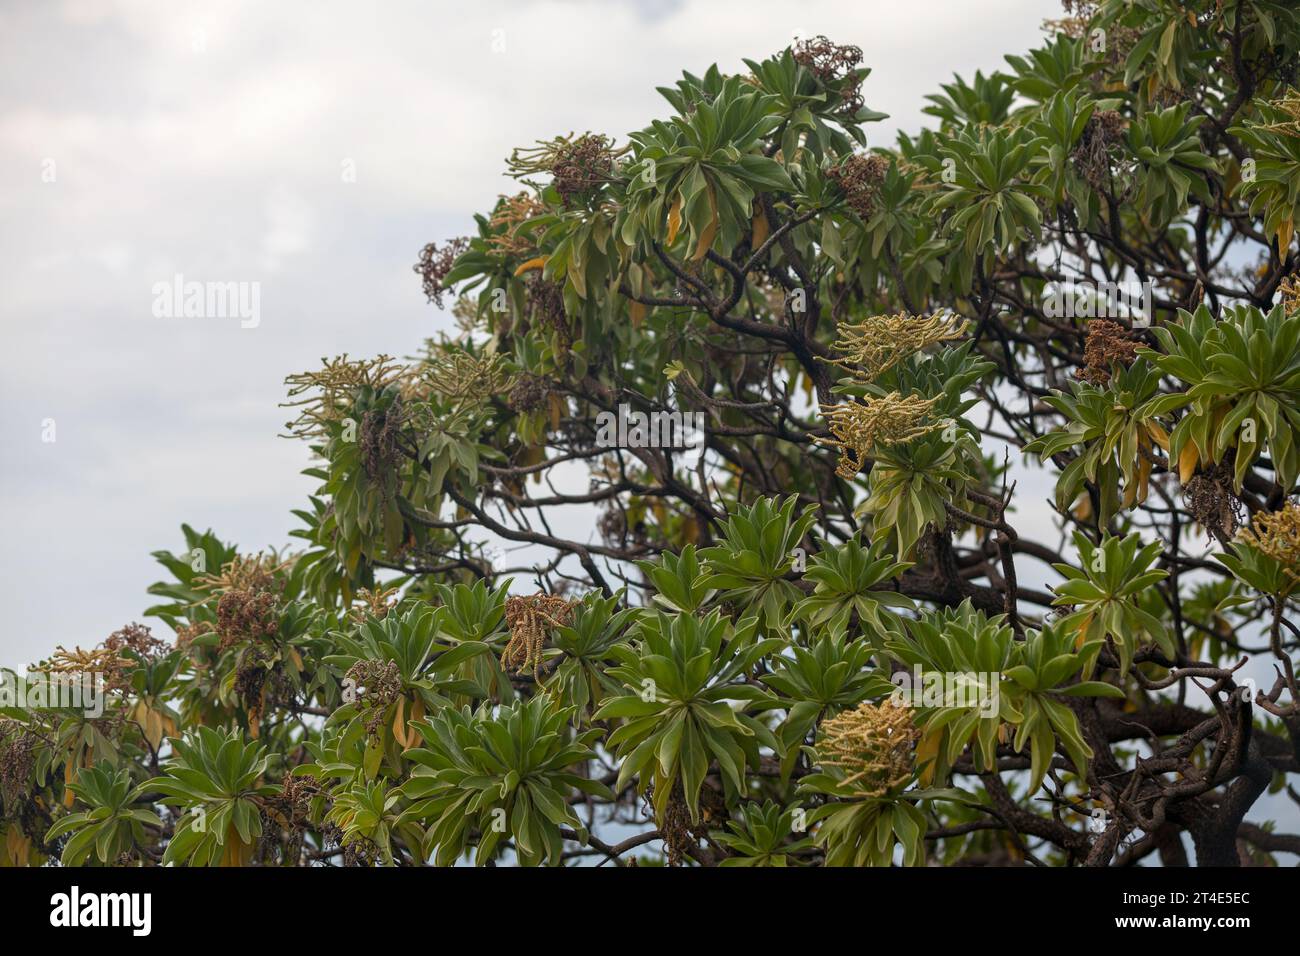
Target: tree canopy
[984,551]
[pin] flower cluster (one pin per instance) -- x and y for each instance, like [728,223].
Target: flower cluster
[872,745]
[880,342]
[858,427]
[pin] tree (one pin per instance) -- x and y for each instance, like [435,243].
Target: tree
[794,382]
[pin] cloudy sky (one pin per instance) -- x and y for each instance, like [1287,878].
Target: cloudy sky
[311,148]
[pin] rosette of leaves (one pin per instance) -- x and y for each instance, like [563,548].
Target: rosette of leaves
[679,581]
[1104,593]
[681,673]
[216,779]
[763,834]
[474,613]
[1025,676]
[847,592]
[750,564]
[1168,41]
[1266,556]
[868,813]
[1119,433]
[829,675]
[987,202]
[1058,67]
[483,778]
[692,180]
[910,481]
[1272,140]
[408,639]
[1243,389]
[986,101]
[362,476]
[955,641]
[1172,161]
[580,680]
[811,104]
[1061,121]
[113,823]
[369,818]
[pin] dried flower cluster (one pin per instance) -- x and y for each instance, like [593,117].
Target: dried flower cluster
[378,440]
[1277,535]
[858,427]
[859,178]
[373,604]
[1107,344]
[17,757]
[434,265]
[285,818]
[1211,501]
[834,67]
[872,745]
[579,166]
[529,618]
[880,342]
[137,639]
[529,393]
[546,305]
[378,684]
[1092,155]
[247,595]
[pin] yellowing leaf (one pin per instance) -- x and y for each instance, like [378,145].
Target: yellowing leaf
[1158,435]
[1285,230]
[760,228]
[711,230]
[674,218]
[535,263]
[399,721]
[1187,460]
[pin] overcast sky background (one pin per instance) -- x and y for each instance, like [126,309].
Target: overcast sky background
[210,140]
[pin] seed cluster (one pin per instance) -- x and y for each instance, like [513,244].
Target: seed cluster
[434,265]
[834,66]
[872,745]
[1211,501]
[1107,344]
[859,178]
[17,757]
[529,618]
[1092,155]
[530,393]
[378,684]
